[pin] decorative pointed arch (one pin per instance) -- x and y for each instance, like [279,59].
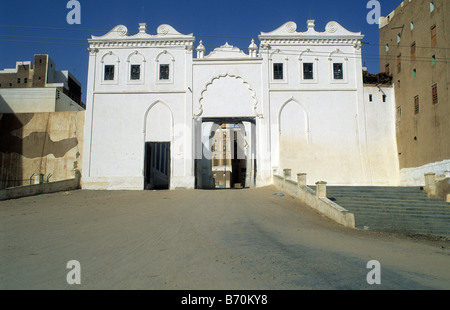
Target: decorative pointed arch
[221,76]
[304,112]
[147,113]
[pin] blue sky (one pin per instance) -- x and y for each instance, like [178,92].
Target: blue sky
[26,26]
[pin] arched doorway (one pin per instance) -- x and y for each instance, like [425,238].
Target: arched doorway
[225,153]
[157,150]
[293,136]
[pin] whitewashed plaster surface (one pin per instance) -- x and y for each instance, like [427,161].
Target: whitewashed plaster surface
[321,126]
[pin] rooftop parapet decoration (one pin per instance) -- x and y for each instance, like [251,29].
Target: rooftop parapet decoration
[288,31]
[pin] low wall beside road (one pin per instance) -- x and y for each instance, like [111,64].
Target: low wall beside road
[309,197]
[42,188]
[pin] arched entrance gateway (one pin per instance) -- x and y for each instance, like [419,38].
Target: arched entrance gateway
[232,119]
[225,126]
[225,153]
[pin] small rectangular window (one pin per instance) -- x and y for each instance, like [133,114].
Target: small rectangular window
[370,98]
[25,80]
[308,71]
[135,73]
[434,94]
[278,71]
[411,26]
[433,59]
[109,72]
[384,98]
[433,36]
[18,80]
[338,71]
[414,73]
[164,72]
[413,51]
[416,105]
[431,6]
[399,63]
[399,112]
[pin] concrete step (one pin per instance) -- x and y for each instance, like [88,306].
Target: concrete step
[412,217]
[392,220]
[393,209]
[383,195]
[429,228]
[384,200]
[392,225]
[401,209]
[376,190]
[392,204]
[402,205]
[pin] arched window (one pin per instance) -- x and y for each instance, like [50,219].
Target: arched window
[165,67]
[136,68]
[110,68]
[279,67]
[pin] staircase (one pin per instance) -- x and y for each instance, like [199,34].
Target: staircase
[395,209]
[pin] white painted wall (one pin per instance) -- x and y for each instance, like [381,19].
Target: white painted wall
[228,84]
[328,147]
[123,114]
[416,176]
[324,127]
[336,139]
[382,153]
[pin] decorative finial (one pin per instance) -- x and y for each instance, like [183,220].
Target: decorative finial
[253,48]
[200,46]
[143,28]
[200,50]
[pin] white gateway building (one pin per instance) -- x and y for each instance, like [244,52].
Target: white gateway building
[297,102]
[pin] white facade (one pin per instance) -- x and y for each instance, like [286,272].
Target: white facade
[299,96]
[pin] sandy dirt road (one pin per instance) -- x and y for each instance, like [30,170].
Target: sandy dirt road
[202,240]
